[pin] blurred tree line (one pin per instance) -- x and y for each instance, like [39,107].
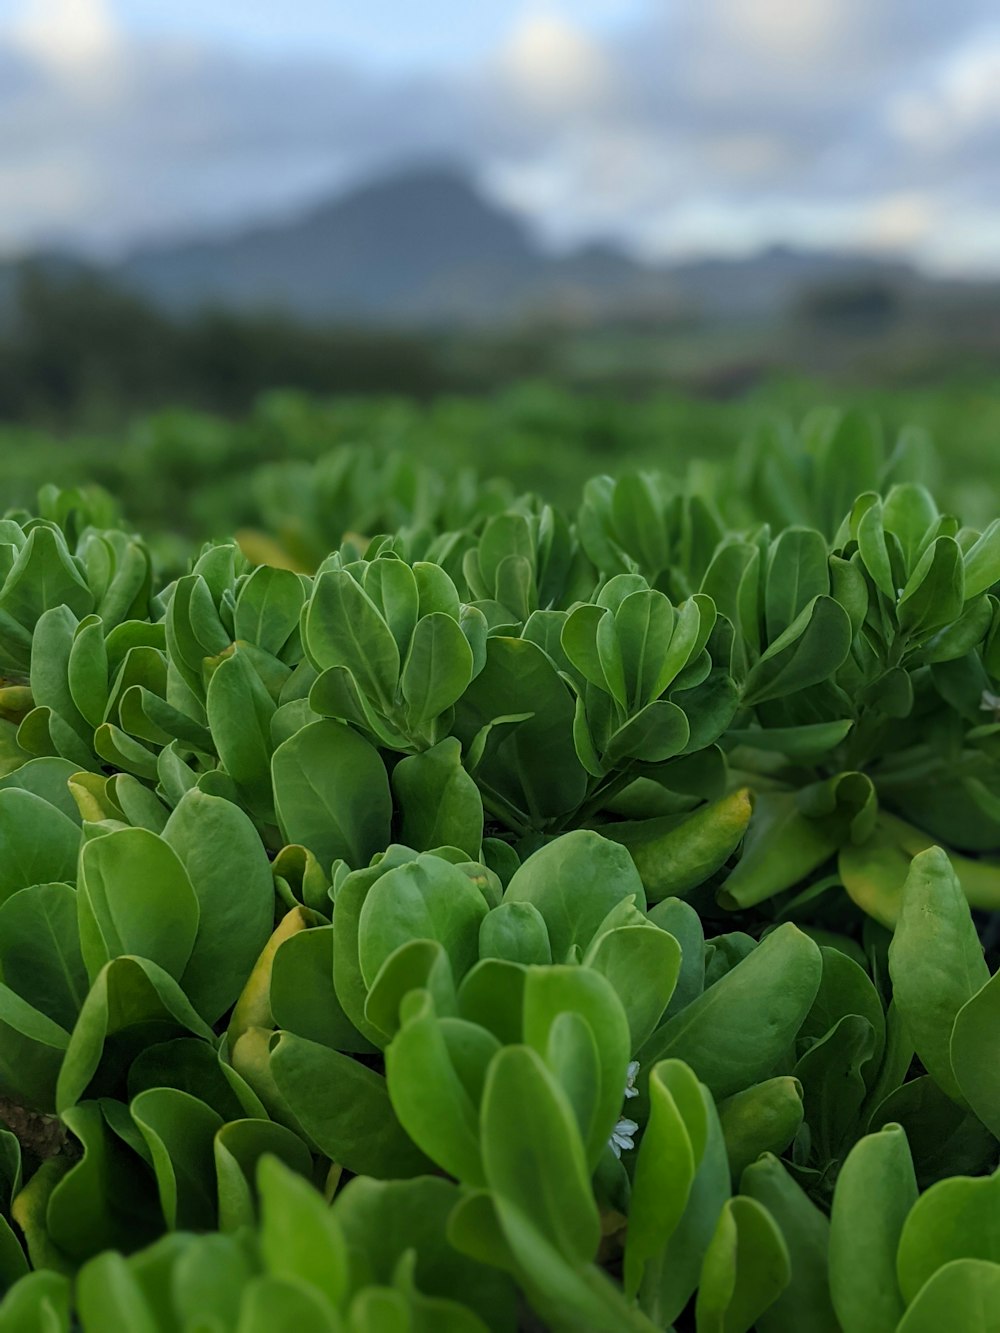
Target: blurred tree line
[75,348]
[80,353]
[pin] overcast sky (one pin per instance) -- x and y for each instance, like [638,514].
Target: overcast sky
[675,126]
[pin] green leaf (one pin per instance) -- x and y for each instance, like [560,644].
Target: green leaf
[734,1033]
[302,996]
[300,1239]
[344,628]
[179,1131]
[638,518]
[274,1305]
[268,607]
[575,882]
[437,669]
[763,1118]
[517,932]
[681,920]
[674,857]
[792,834]
[955,1219]
[424,899]
[48,778]
[659,731]
[187,1065]
[533,1156]
[32,1048]
[135,897]
[206,1280]
[910,513]
[833,1083]
[219,847]
[935,591]
[805,1302]
[532,762]
[644,625]
[809,651]
[797,571]
[642,963]
[439,803]
[109,1296]
[38,843]
[875,1191]
[104,1201]
[745,1270]
[944,1138]
[962,1294]
[385,1219]
[38,1303]
[437,1110]
[936,962]
[344,1108]
[974,1051]
[44,575]
[982,561]
[239,715]
[673,1144]
[552,991]
[332,794]
[131,1003]
[239,1147]
[40,951]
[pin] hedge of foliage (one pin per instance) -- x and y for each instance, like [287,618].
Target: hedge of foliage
[547,921]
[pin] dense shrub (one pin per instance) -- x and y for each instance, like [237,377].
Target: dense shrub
[526,919]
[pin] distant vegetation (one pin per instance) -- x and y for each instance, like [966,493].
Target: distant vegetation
[80,353]
[291,464]
[419,286]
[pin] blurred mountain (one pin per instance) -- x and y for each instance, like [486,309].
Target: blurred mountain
[424,250]
[415,248]
[425,247]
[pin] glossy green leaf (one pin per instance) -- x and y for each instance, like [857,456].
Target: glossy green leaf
[344,1108]
[962,1294]
[746,1268]
[936,961]
[439,803]
[575,883]
[875,1191]
[975,1053]
[332,794]
[218,846]
[135,897]
[810,650]
[955,1219]
[805,1301]
[734,1033]
[300,1239]
[38,843]
[179,1131]
[40,951]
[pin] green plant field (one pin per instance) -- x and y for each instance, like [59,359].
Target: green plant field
[457,907]
[190,472]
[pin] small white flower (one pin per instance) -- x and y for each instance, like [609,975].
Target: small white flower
[621,1136]
[990,703]
[630,1089]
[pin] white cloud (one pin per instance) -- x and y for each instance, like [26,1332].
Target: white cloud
[779,31]
[708,123]
[66,34]
[961,99]
[553,64]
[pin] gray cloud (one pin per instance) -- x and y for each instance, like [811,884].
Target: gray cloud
[711,123]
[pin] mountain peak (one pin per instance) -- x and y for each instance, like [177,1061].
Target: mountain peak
[425,246]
